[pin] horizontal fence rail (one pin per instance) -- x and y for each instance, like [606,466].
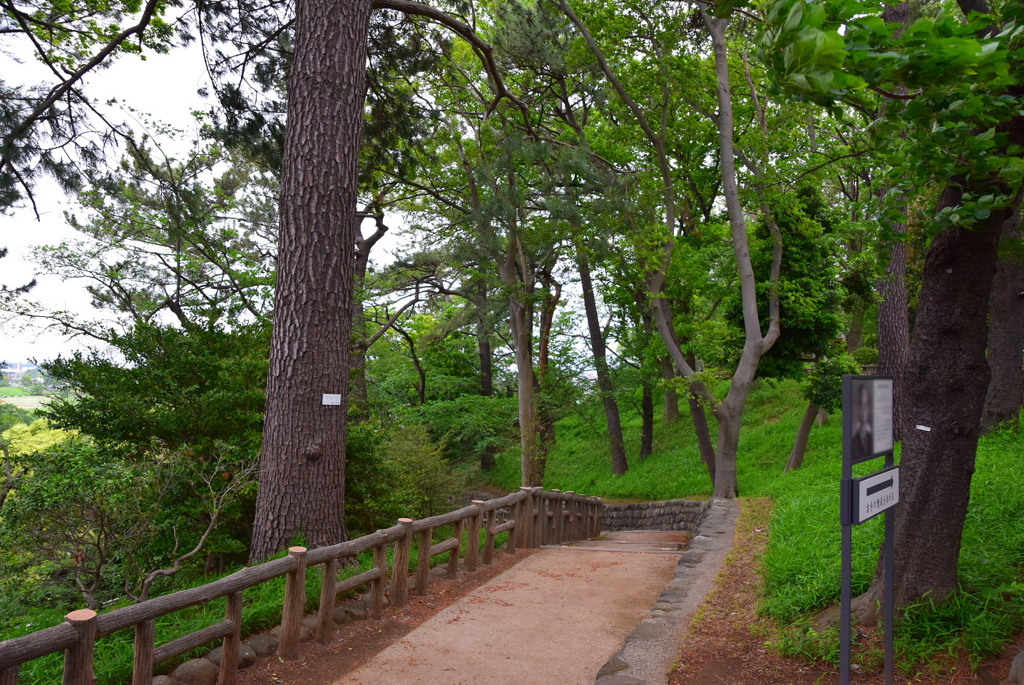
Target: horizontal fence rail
[532,517]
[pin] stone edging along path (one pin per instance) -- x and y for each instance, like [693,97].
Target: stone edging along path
[650,649]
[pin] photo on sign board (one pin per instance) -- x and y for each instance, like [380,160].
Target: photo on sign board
[862,441]
[881,396]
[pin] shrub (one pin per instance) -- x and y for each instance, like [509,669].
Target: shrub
[866,356]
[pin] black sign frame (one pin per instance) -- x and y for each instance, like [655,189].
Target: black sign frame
[858,449]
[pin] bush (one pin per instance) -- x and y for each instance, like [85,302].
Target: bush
[866,356]
[471,428]
[373,496]
[432,483]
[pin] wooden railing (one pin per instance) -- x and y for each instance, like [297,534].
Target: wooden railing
[532,517]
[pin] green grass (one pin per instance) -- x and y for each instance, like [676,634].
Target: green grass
[802,564]
[14,392]
[24,400]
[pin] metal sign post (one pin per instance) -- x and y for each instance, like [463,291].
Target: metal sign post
[867,434]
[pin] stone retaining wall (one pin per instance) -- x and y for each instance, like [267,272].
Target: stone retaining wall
[676,514]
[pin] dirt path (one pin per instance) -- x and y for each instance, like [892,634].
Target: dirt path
[568,609]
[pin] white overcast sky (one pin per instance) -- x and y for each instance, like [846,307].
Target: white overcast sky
[163,86]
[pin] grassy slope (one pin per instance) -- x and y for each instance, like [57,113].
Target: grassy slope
[24,401]
[802,562]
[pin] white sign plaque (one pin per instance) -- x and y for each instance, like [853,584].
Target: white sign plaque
[875,493]
[882,415]
[330,400]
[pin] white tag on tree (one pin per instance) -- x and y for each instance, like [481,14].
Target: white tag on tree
[331,400]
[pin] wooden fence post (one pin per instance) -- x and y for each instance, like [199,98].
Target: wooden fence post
[9,676]
[325,612]
[142,662]
[598,517]
[515,513]
[587,524]
[592,530]
[539,517]
[423,562]
[294,605]
[489,521]
[524,527]
[78,658]
[556,518]
[550,507]
[400,570]
[380,562]
[473,536]
[572,505]
[232,643]
[453,557]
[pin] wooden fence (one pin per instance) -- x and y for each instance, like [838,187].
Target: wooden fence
[533,517]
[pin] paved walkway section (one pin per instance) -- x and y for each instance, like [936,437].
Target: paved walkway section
[651,647]
[562,615]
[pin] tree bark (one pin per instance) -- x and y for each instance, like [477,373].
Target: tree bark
[855,336]
[803,434]
[703,432]
[668,372]
[729,413]
[699,418]
[359,403]
[521,323]
[945,382]
[1006,333]
[646,420]
[617,444]
[483,341]
[893,309]
[302,467]
[545,406]
[894,325]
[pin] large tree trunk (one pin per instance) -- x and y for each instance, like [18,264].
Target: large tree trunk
[944,384]
[894,325]
[803,434]
[302,468]
[893,309]
[699,417]
[703,432]
[1006,333]
[545,406]
[483,341]
[521,323]
[730,411]
[668,372]
[646,420]
[526,387]
[617,444]
[729,415]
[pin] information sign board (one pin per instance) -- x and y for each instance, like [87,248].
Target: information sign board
[867,434]
[875,493]
[867,418]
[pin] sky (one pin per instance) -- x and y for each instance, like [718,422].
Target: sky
[164,86]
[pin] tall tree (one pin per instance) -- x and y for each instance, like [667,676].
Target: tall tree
[1006,331]
[302,470]
[757,341]
[963,125]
